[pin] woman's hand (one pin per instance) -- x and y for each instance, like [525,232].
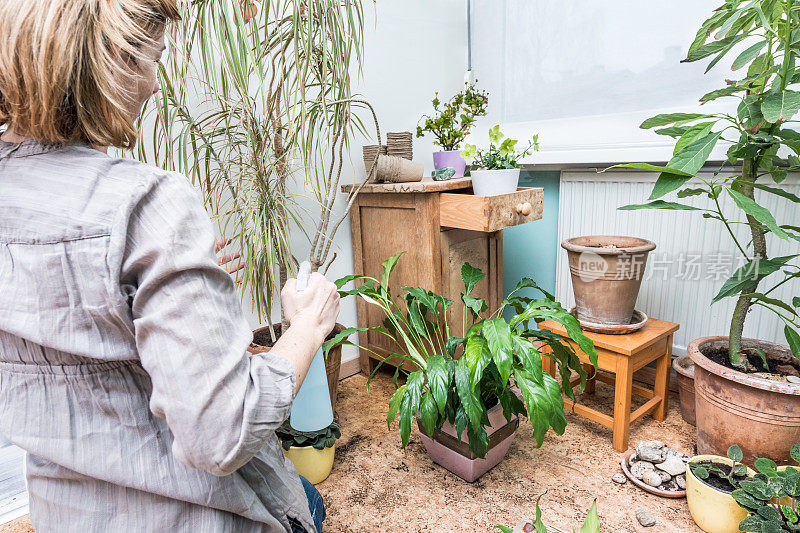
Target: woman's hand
[314,309]
[229,258]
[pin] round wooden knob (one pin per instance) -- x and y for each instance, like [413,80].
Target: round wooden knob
[524,209]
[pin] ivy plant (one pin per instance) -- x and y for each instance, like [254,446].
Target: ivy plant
[591,523]
[501,154]
[324,438]
[495,355]
[770,497]
[452,120]
[761,131]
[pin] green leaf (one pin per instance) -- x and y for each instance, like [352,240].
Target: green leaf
[758,212]
[769,513]
[795,453]
[476,305]
[428,413]
[749,274]
[498,335]
[452,344]
[719,93]
[655,168]
[765,466]
[394,405]
[793,338]
[409,405]
[672,131]
[504,529]
[592,522]
[749,112]
[780,107]
[713,47]
[670,118]
[700,471]
[735,453]
[470,276]
[774,190]
[425,298]
[438,380]
[660,204]
[796,301]
[751,523]
[758,297]
[692,158]
[477,357]
[757,488]
[749,54]
[745,499]
[472,405]
[685,193]
[698,131]
[388,267]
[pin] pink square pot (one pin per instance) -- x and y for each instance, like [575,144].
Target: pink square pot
[447,450]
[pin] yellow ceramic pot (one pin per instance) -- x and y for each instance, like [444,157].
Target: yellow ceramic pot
[713,511]
[314,465]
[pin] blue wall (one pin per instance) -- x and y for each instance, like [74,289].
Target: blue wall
[529,250]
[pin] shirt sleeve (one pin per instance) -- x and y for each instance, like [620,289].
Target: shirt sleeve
[220,402]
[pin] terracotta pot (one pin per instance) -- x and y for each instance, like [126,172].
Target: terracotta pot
[447,450]
[333,362]
[761,416]
[684,367]
[713,510]
[606,274]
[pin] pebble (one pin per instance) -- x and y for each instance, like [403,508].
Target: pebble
[638,469]
[644,518]
[652,478]
[673,466]
[681,481]
[647,452]
[632,459]
[619,478]
[664,476]
[792,379]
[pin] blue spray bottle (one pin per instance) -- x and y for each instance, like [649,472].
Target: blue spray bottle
[311,410]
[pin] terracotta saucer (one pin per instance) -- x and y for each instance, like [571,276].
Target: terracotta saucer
[642,485]
[638,321]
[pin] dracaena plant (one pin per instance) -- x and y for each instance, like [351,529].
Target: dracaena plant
[496,354]
[452,120]
[759,133]
[501,154]
[770,496]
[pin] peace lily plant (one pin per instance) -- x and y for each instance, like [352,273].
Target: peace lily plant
[496,355]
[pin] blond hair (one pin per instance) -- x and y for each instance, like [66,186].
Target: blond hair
[64,75]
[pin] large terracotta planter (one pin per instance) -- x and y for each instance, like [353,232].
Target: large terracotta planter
[333,362]
[713,510]
[761,416]
[606,274]
[447,450]
[684,367]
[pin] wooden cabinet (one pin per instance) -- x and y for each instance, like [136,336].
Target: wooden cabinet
[439,225]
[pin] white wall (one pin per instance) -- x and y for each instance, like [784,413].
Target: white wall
[413,48]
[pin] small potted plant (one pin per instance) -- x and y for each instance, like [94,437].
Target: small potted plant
[494,171]
[450,124]
[467,408]
[770,496]
[711,481]
[311,452]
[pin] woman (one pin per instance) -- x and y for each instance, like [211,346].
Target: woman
[123,363]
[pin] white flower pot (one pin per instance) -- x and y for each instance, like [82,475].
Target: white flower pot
[494,182]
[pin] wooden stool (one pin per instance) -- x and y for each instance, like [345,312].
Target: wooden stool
[623,355]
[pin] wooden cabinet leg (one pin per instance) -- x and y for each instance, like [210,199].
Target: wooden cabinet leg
[589,380]
[661,387]
[548,365]
[622,403]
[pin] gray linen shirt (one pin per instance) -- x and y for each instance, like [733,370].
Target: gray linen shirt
[123,365]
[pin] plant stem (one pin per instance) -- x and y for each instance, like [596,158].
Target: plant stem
[749,172]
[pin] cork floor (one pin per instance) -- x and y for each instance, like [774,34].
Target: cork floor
[376,486]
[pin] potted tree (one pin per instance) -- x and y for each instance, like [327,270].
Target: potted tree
[450,124]
[733,404]
[494,171]
[467,408]
[238,103]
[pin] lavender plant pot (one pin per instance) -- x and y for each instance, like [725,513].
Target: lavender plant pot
[447,450]
[450,158]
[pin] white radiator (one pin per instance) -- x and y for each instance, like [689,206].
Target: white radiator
[693,257]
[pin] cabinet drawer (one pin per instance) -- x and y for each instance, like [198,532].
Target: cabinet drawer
[490,213]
